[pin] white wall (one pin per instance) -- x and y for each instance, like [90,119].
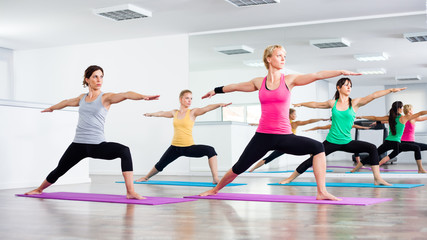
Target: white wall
[156,65]
[32,143]
[6,73]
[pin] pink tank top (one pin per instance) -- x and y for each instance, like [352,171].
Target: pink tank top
[408,132]
[275,109]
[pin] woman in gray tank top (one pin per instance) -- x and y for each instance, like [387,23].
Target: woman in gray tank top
[90,140]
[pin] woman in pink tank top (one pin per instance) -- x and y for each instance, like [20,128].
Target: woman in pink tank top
[274,129]
[409,135]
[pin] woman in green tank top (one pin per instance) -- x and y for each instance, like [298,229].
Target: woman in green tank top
[397,123]
[339,137]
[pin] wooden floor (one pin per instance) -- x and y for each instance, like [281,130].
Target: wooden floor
[403,218]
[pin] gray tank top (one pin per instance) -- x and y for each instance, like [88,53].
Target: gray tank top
[90,128]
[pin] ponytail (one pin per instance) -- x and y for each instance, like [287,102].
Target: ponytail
[392,115]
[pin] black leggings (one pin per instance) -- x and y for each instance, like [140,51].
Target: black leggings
[174,152]
[78,151]
[399,147]
[354,146]
[261,143]
[275,154]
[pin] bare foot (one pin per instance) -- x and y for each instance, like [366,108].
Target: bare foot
[327,196]
[357,167]
[209,193]
[134,195]
[215,181]
[422,171]
[381,182]
[143,179]
[287,180]
[33,192]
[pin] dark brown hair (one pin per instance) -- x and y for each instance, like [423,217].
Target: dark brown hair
[89,71]
[340,83]
[392,114]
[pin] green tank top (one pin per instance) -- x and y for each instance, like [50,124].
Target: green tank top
[399,131]
[342,122]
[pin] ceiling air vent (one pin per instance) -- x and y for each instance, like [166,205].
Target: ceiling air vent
[408,78]
[416,37]
[233,50]
[330,43]
[123,12]
[244,3]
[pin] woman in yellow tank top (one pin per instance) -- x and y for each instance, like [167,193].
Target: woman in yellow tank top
[182,142]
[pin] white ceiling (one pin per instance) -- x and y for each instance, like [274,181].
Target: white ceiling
[370,26]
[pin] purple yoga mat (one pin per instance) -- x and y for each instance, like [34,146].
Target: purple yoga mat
[93,197]
[381,169]
[292,199]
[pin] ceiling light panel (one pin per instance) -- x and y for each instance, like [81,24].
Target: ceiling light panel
[370,71]
[408,78]
[233,50]
[416,37]
[254,63]
[123,12]
[244,3]
[371,57]
[330,43]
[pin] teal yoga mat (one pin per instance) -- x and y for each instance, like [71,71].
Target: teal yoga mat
[370,185]
[287,171]
[384,172]
[179,183]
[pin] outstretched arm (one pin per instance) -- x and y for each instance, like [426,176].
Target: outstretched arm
[414,116]
[359,102]
[72,102]
[304,79]
[319,128]
[374,118]
[113,98]
[302,123]
[420,119]
[327,104]
[208,108]
[166,114]
[360,127]
[235,87]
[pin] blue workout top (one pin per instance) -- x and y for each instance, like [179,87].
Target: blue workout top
[90,128]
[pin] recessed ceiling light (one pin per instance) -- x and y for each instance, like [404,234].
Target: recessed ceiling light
[123,12]
[330,43]
[371,57]
[244,3]
[233,50]
[254,63]
[408,78]
[367,71]
[416,37]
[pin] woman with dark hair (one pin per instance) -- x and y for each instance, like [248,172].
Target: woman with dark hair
[182,142]
[393,141]
[339,137]
[89,140]
[294,124]
[274,129]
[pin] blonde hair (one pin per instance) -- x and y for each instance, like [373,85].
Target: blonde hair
[184,92]
[407,108]
[268,52]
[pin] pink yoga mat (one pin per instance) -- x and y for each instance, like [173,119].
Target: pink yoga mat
[93,197]
[292,199]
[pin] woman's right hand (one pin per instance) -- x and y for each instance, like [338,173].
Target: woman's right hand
[47,110]
[209,94]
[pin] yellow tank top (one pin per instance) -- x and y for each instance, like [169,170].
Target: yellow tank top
[183,130]
[294,130]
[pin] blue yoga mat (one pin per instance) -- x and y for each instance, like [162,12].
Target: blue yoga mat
[287,171]
[371,185]
[384,172]
[179,183]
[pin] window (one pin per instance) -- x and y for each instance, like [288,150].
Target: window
[249,113]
